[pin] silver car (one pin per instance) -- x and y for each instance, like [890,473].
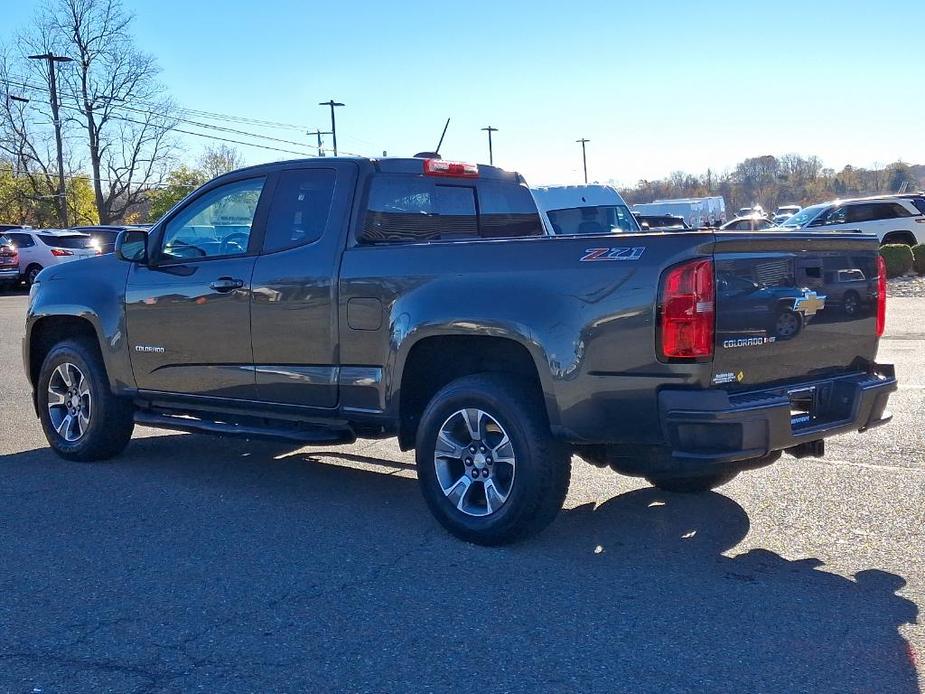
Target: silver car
[40,248]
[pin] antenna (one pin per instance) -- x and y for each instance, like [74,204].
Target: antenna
[437,151]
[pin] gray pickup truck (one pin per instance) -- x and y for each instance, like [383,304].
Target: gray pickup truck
[322,300]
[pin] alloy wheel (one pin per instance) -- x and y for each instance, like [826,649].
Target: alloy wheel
[475,462]
[69,402]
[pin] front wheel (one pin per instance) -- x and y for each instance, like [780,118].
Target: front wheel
[81,417]
[693,484]
[488,466]
[787,324]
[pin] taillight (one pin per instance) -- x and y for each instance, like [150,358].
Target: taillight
[59,252]
[439,167]
[687,303]
[881,295]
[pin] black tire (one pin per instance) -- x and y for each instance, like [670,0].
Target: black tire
[31,273]
[542,464]
[111,419]
[787,324]
[851,303]
[692,485]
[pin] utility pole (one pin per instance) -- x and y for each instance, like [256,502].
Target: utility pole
[491,154]
[332,104]
[56,120]
[319,133]
[584,156]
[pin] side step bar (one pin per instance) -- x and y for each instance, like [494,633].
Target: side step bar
[194,425]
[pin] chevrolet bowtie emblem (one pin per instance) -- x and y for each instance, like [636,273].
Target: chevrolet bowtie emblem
[809,303]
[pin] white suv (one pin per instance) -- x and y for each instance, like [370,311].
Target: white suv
[39,248]
[893,218]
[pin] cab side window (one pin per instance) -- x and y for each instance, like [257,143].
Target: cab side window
[300,209]
[215,225]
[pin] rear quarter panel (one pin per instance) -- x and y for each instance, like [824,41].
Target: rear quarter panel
[588,324]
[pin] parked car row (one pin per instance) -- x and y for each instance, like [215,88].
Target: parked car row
[25,252]
[565,211]
[898,218]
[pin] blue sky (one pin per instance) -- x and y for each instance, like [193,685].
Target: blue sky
[655,86]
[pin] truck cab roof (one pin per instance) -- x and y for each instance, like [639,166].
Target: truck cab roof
[409,165]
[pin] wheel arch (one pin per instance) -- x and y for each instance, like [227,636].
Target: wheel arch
[434,358]
[45,332]
[904,236]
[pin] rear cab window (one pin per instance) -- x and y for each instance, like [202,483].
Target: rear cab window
[408,208]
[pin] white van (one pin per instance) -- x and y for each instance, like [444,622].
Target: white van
[585,209]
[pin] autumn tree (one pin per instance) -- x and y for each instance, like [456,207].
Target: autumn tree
[179,183]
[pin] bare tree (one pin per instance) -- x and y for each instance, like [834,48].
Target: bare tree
[219,160]
[111,92]
[27,139]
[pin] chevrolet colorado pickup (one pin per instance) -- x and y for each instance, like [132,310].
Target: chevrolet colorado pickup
[322,300]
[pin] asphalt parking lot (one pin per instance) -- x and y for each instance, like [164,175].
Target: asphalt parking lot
[194,563]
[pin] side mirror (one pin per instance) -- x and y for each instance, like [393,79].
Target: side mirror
[132,246]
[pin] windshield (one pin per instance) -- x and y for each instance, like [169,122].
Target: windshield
[603,219]
[804,216]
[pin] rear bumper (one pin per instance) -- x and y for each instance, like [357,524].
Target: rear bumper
[715,427]
[9,273]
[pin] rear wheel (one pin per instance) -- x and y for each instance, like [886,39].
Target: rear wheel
[81,417]
[693,484]
[488,466]
[851,303]
[31,273]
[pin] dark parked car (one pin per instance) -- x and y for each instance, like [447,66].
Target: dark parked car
[661,222]
[103,235]
[321,300]
[750,223]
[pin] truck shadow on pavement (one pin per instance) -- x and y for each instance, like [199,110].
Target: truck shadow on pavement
[196,562]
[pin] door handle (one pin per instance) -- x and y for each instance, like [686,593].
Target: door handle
[226,284]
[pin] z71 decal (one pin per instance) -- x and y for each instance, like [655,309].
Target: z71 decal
[600,254]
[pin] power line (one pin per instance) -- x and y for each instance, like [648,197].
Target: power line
[199,124]
[211,115]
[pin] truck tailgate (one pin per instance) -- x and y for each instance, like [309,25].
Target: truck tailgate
[793,305]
